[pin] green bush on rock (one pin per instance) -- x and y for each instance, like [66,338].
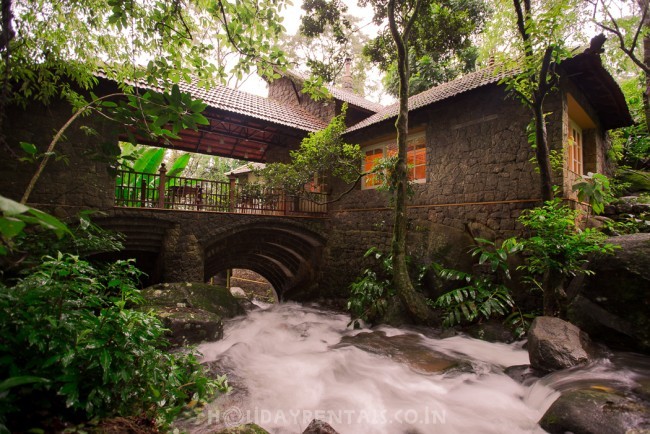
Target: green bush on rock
[69,323]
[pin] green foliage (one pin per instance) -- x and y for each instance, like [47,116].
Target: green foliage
[371,293]
[631,145]
[595,189]
[555,242]
[440,46]
[70,322]
[15,217]
[321,153]
[58,45]
[480,296]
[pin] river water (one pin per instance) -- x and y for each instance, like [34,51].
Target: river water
[290,363]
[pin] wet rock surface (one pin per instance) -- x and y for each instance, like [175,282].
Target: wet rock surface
[193,312]
[319,427]
[614,304]
[249,428]
[555,344]
[405,348]
[597,410]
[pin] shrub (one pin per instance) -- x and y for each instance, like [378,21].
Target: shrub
[69,324]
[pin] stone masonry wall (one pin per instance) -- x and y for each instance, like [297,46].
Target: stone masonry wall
[479,179]
[80,179]
[282,90]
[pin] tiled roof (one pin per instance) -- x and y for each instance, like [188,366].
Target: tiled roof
[224,98]
[354,99]
[340,94]
[246,168]
[455,87]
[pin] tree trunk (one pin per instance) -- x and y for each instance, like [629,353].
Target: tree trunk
[643,4]
[542,152]
[554,294]
[412,300]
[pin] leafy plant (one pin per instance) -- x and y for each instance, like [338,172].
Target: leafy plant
[371,293]
[16,216]
[480,296]
[556,243]
[71,323]
[596,190]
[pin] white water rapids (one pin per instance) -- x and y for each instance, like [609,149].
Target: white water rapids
[291,364]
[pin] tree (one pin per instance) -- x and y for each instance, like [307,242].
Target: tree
[324,51]
[54,49]
[629,31]
[321,152]
[402,20]
[542,34]
[541,46]
[440,44]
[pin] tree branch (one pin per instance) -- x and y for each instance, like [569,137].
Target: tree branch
[55,140]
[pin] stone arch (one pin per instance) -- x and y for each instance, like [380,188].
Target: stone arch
[287,255]
[144,240]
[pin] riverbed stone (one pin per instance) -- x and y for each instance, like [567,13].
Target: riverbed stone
[193,312]
[249,428]
[555,344]
[588,411]
[189,326]
[210,298]
[523,374]
[614,303]
[406,348]
[319,427]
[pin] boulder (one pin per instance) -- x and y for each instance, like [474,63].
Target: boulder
[638,180]
[319,427]
[249,428]
[192,312]
[555,344]
[407,348]
[614,303]
[189,326]
[210,298]
[588,411]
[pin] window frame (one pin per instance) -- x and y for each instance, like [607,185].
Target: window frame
[385,146]
[575,148]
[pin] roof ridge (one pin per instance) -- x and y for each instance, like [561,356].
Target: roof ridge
[467,82]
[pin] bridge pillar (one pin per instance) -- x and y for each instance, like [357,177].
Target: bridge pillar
[183,257]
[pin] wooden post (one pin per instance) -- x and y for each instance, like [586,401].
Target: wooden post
[231,193]
[143,193]
[161,186]
[199,198]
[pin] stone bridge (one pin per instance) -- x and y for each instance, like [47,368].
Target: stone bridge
[174,245]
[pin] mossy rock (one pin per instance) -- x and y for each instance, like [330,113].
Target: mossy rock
[596,411]
[639,180]
[189,326]
[210,298]
[249,428]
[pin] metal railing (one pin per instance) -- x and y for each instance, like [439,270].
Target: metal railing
[145,190]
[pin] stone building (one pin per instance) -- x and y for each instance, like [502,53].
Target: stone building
[472,167]
[468,150]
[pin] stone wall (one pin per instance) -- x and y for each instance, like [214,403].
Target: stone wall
[596,142]
[186,245]
[479,179]
[285,91]
[79,177]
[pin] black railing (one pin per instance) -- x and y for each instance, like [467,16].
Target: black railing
[145,190]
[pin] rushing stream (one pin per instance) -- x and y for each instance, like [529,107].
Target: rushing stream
[290,364]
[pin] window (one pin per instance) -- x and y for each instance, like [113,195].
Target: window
[415,159]
[371,158]
[575,151]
